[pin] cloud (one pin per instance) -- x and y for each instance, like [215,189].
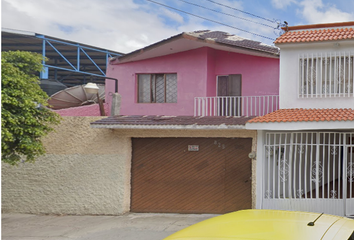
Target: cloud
[315,11]
[173,15]
[127,25]
[122,27]
[282,4]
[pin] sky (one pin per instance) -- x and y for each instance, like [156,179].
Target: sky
[128,25]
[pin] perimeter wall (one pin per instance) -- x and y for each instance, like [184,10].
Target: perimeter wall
[86,171]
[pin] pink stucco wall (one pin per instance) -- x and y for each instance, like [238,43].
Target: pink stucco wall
[83,111]
[197,71]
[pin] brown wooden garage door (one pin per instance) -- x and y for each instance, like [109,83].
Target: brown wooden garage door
[168,177]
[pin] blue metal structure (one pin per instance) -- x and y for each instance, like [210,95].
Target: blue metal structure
[79,49]
[67,62]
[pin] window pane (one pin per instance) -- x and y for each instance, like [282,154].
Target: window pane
[160,88]
[222,85]
[144,88]
[153,88]
[171,88]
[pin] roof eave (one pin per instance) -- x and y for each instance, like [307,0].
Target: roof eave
[321,25]
[129,57]
[314,125]
[168,127]
[288,44]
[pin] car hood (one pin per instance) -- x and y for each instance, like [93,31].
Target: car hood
[257,225]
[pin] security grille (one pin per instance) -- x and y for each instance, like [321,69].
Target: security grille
[326,74]
[309,171]
[157,88]
[171,88]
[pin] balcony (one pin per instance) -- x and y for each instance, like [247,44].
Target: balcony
[236,106]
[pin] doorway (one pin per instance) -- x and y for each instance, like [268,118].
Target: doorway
[229,89]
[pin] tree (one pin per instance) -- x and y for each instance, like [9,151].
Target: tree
[25,118]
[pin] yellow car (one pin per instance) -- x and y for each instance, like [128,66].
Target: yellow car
[269,225]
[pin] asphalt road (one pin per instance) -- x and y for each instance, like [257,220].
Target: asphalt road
[144,226]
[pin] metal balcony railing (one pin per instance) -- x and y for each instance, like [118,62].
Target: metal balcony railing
[236,106]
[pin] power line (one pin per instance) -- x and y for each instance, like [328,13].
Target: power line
[269,20]
[211,20]
[246,19]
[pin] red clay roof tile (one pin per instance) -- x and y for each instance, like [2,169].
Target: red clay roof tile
[306,115]
[316,35]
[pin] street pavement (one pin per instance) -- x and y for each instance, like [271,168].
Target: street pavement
[144,226]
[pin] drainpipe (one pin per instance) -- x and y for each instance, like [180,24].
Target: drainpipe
[116,98]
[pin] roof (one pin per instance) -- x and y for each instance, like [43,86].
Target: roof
[92,61]
[318,33]
[299,118]
[306,115]
[233,40]
[204,38]
[171,122]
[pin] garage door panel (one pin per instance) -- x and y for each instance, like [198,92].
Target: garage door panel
[166,177]
[238,176]
[185,198]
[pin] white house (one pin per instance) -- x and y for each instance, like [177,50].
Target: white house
[305,149]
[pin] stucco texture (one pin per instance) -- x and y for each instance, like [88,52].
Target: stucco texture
[85,171]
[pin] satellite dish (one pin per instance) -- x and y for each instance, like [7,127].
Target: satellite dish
[51,86]
[74,97]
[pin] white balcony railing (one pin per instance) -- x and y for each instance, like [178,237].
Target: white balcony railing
[235,106]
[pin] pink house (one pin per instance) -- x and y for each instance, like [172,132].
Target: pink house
[179,149]
[183,152]
[202,73]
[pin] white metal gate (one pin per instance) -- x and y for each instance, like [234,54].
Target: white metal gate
[309,171]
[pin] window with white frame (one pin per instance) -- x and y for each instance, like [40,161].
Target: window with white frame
[326,74]
[157,88]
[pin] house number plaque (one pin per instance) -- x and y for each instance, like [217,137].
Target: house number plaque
[193,148]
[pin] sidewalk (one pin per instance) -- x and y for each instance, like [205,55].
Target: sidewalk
[145,226]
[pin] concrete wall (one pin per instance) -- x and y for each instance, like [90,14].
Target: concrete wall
[86,170]
[289,75]
[83,111]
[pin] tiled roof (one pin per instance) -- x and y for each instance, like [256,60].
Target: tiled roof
[316,35]
[210,38]
[161,121]
[306,115]
[233,40]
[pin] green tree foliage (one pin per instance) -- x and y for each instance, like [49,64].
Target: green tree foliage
[23,123]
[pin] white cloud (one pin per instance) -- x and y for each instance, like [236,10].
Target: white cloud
[127,25]
[173,15]
[282,4]
[121,26]
[315,11]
